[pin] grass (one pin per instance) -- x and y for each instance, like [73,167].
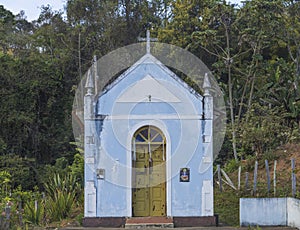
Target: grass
[226,205]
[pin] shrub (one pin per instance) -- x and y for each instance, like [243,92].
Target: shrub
[231,165]
[61,196]
[34,212]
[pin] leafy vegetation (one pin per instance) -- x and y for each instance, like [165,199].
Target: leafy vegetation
[226,206]
[63,193]
[253,50]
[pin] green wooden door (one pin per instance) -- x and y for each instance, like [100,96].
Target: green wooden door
[149,173]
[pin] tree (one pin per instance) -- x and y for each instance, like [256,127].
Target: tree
[6,28]
[217,40]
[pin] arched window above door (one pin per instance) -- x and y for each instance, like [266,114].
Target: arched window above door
[148,134]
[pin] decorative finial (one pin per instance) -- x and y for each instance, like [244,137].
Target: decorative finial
[96,77]
[206,85]
[89,85]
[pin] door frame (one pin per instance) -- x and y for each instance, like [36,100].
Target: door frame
[161,126]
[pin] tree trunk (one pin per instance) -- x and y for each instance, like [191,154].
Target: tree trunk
[230,86]
[250,97]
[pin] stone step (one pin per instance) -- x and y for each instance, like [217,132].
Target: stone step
[149,225]
[149,222]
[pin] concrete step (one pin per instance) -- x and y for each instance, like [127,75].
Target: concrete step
[149,222]
[149,225]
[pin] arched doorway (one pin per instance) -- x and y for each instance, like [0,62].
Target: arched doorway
[148,172]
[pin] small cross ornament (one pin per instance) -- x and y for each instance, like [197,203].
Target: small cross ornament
[148,39]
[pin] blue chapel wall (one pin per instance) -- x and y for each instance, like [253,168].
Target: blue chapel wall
[112,192]
[185,142]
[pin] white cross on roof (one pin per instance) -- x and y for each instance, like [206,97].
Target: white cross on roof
[148,39]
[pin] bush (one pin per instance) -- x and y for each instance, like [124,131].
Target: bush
[34,212]
[61,196]
[22,170]
[262,131]
[231,165]
[77,168]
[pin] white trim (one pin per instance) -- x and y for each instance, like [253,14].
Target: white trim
[160,125]
[155,117]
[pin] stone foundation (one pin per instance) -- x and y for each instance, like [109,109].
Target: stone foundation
[112,222]
[195,221]
[119,222]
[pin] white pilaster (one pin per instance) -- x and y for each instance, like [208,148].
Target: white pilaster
[89,150]
[207,127]
[207,198]
[207,159]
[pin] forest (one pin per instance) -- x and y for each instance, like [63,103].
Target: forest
[253,50]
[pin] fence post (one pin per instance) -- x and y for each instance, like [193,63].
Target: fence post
[246,181]
[255,178]
[293,177]
[268,176]
[7,214]
[35,205]
[20,212]
[274,177]
[219,177]
[43,204]
[239,177]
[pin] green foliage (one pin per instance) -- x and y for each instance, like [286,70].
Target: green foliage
[62,194]
[231,166]
[253,51]
[249,163]
[79,218]
[77,168]
[21,209]
[248,45]
[5,179]
[270,156]
[22,170]
[262,131]
[226,205]
[225,153]
[34,212]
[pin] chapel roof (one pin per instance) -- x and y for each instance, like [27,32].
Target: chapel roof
[148,58]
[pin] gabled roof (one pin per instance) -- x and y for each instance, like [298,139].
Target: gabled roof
[150,59]
[152,90]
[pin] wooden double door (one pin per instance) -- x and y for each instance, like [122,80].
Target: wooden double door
[149,173]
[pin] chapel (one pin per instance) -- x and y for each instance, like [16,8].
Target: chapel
[148,149]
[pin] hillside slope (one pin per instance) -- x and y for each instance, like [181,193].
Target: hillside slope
[227,202]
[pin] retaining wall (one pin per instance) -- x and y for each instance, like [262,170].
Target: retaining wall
[270,212]
[293,207]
